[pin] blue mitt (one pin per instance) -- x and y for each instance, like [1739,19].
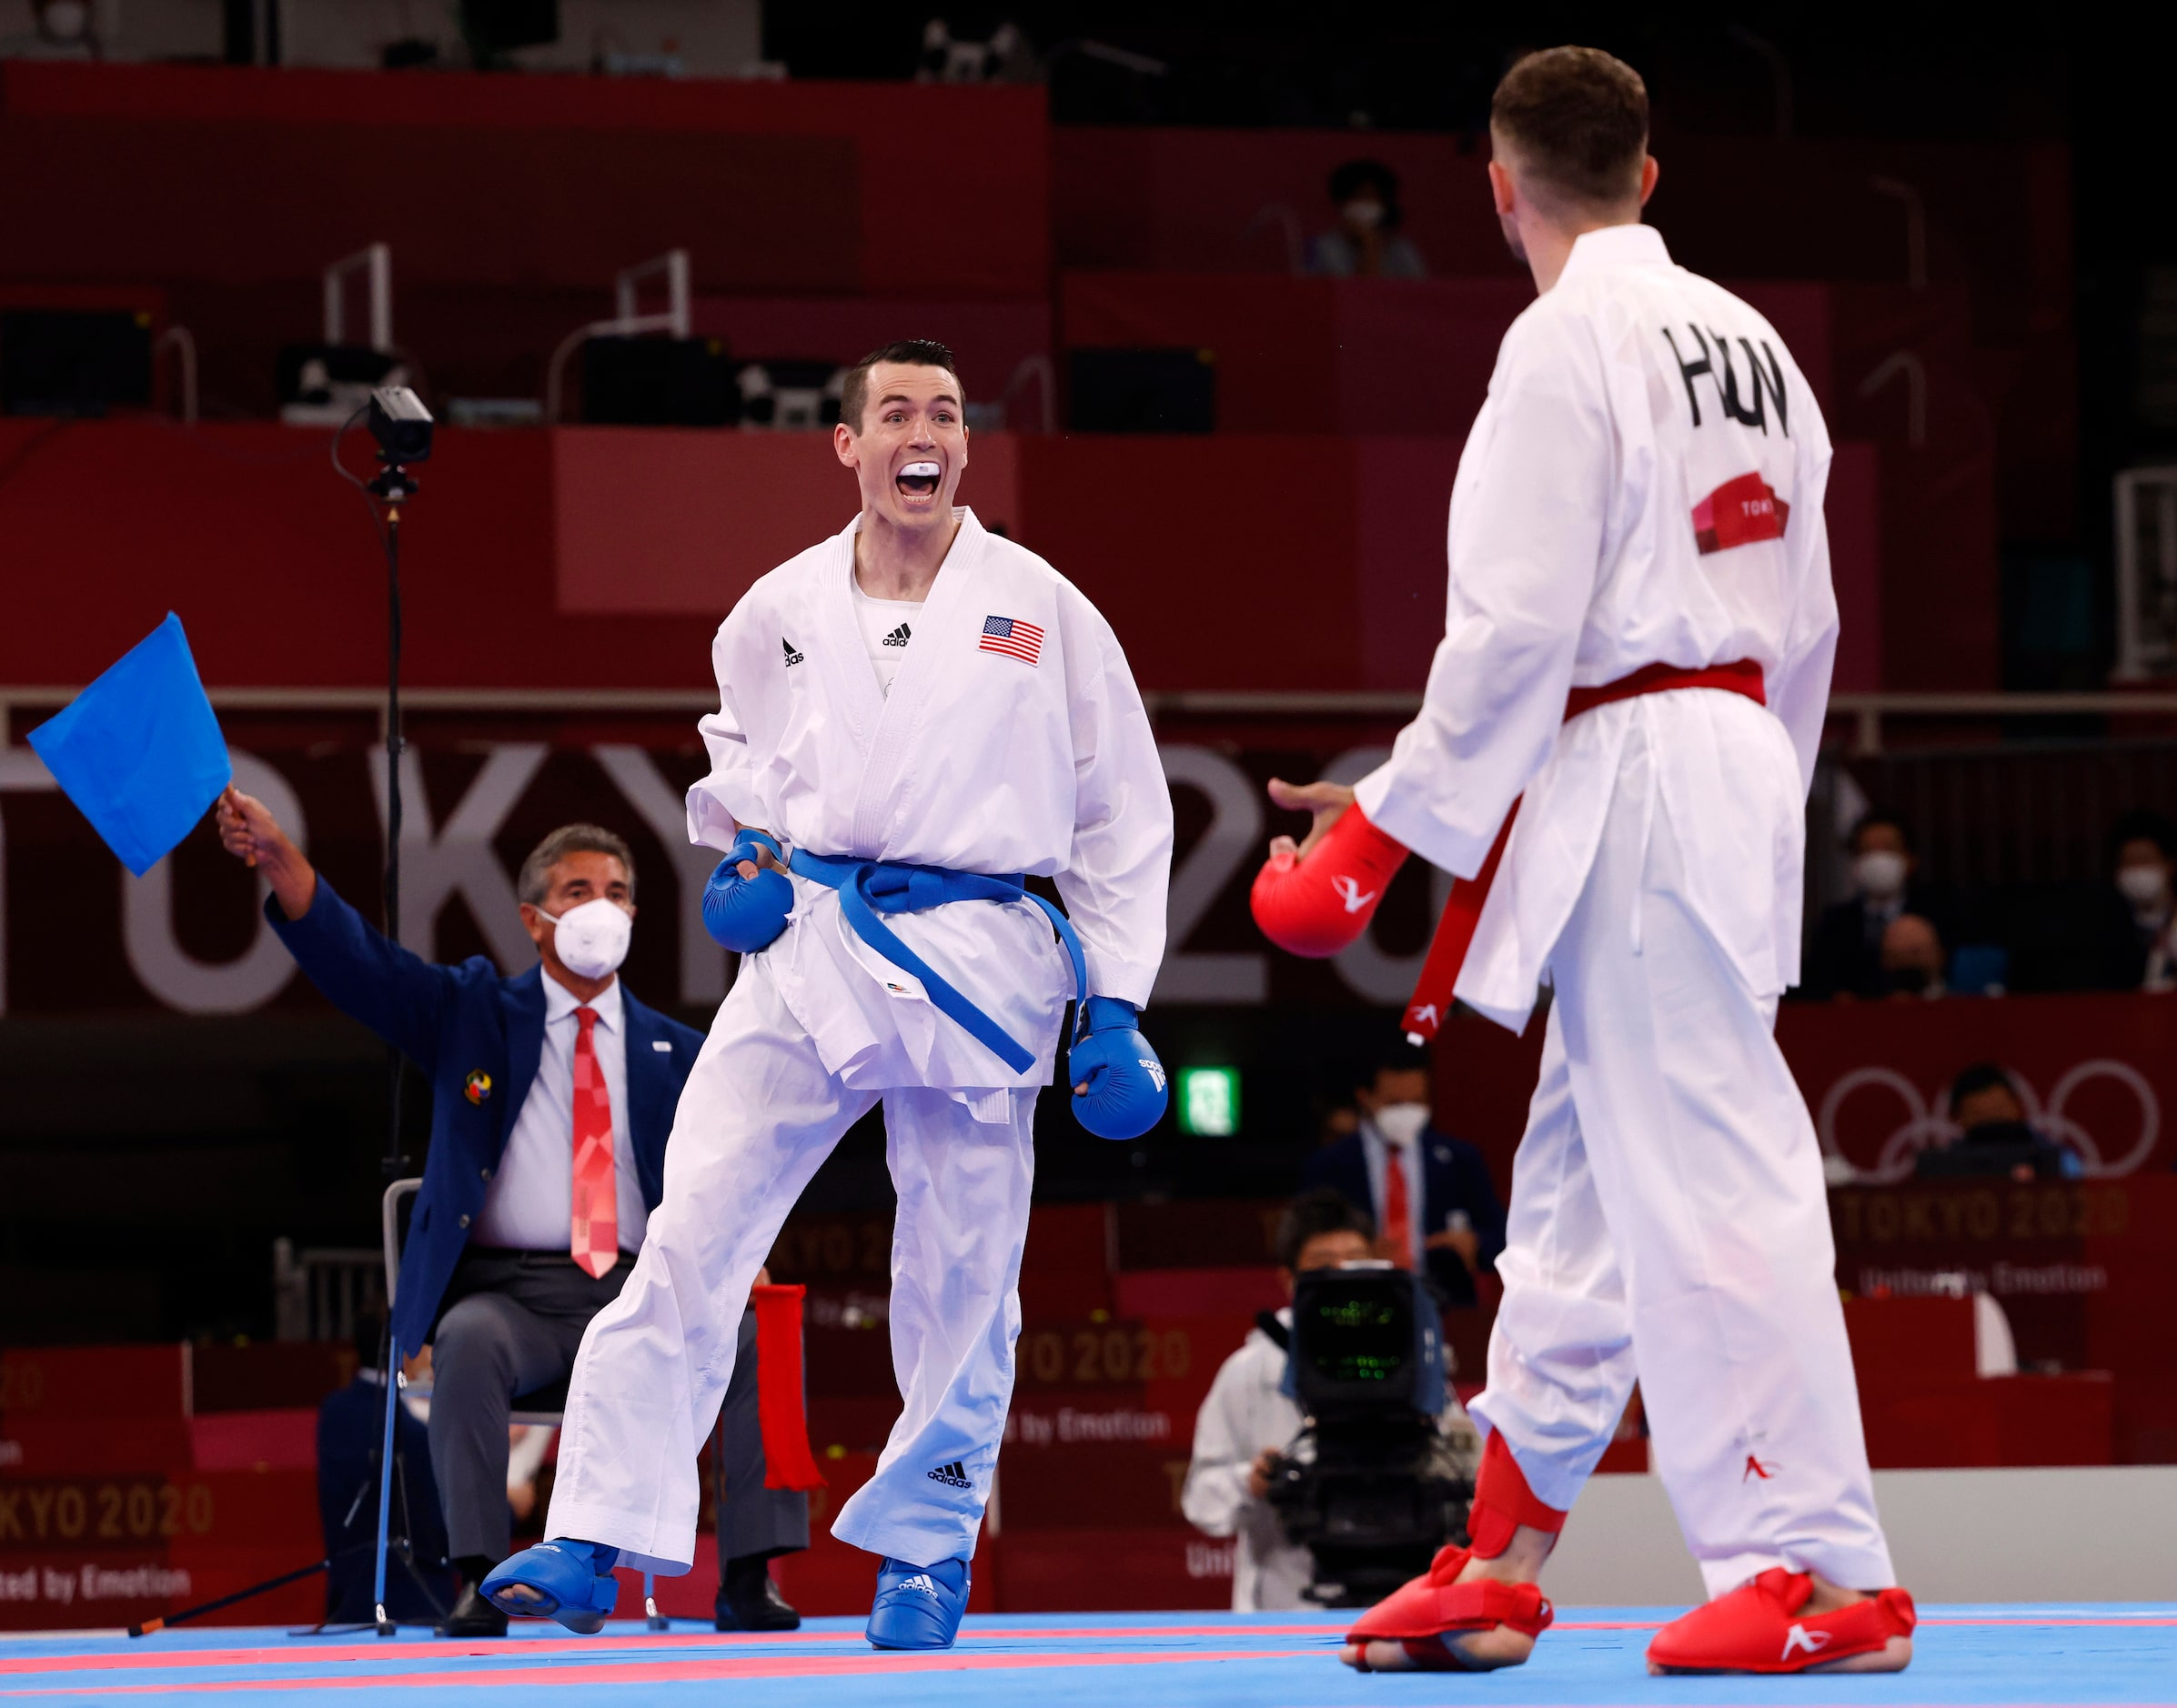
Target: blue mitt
[746,914]
[1120,1084]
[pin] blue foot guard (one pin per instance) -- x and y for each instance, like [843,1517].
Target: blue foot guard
[918,1607]
[572,1581]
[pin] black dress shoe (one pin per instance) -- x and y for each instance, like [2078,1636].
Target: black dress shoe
[752,1602]
[473,1616]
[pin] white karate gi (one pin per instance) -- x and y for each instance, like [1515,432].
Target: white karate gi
[1668,1216]
[976,760]
[1246,1411]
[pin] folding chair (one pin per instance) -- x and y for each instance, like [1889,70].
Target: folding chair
[543,1408]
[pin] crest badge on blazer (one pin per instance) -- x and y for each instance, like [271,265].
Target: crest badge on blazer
[477,1086]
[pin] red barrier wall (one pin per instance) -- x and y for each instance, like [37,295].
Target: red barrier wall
[520,181]
[1994,224]
[604,558]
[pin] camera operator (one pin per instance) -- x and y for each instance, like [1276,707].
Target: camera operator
[1247,1421]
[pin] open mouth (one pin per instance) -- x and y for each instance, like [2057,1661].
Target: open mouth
[918,481]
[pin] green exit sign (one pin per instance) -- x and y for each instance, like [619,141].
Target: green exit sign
[1209,1102]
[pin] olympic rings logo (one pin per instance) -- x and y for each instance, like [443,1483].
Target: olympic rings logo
[1924,1125]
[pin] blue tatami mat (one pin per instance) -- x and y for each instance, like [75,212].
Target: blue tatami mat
[1965,1657]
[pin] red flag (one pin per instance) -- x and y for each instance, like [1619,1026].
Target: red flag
[787,1462]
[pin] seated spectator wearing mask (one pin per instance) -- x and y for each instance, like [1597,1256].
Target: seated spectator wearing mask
[1912,958]
[500,1276]
[2139,936]
[1993,1136]
[1246,1421]
[1846,955]
[1429,1193]
[1365,243]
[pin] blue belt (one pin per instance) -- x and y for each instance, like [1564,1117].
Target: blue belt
[870,888]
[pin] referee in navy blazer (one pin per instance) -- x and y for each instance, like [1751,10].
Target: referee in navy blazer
[497,1273]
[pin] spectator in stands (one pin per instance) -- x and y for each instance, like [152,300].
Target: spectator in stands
[1992,1134]
[527,1445]
[1247,1419]
[1845,958]
[2139,936]
[1365,242]
[350,1435]
[1429,1193]
[1340,1122]
[500,1274]
[1912,958]
[61,29]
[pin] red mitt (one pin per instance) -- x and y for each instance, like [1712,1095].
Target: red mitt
[1316,907]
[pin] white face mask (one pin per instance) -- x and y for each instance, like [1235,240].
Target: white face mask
[1401,1123]
[1879,874]
[1365,214]
[2143,885]
[592,940]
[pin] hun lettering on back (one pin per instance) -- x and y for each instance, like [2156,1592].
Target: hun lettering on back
[1715,365]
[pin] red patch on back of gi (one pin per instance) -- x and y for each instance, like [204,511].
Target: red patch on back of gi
[1740,511]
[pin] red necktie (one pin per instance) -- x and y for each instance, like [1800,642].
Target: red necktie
[595,1245]
[1398,1222]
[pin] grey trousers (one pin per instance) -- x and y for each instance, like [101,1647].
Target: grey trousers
[512,1328]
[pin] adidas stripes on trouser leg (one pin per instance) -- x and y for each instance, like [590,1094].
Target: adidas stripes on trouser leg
[757,1117]
[955,1315]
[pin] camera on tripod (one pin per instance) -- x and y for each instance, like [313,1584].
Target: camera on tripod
[1369,1485]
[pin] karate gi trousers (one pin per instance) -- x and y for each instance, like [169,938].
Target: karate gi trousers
[1669,1220]
[757,1117]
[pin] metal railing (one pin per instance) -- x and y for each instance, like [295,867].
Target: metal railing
[320,1292]
[1868,721]
[2146,521]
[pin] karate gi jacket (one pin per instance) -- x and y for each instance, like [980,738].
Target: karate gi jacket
[1643,485]
[1013,741]
[477,1038]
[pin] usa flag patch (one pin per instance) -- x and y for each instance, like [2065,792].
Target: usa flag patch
[1012,637]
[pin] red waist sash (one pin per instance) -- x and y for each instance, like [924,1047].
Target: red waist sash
[1431,1004]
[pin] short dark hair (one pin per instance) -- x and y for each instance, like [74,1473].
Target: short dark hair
[536,880]
[1874,817]
[2142,824]
[1350,177]
[1982,1076]
[1394,1056]
[854,395]
[1315,1213]
[1578,119]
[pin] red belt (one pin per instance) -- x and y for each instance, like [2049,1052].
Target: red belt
[1426,1014]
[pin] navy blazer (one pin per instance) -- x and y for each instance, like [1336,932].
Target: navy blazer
[1453,1177]
[477,1038]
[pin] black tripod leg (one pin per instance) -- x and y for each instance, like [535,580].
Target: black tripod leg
[404,1543]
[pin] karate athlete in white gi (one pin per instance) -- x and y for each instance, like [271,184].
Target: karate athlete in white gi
[914,715]
[1637,654]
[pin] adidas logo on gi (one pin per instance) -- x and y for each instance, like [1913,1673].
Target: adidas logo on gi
[924,1582]
[793,657]
[899,637]
[953,1475]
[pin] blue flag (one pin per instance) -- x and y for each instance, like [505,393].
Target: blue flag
[139,752]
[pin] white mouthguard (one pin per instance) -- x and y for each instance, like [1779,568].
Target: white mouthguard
[927,471]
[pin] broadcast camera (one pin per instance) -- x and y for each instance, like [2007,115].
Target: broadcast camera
[1369,1485]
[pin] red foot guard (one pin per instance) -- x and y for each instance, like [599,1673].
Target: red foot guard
[1759,1627]
[1418,1613]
